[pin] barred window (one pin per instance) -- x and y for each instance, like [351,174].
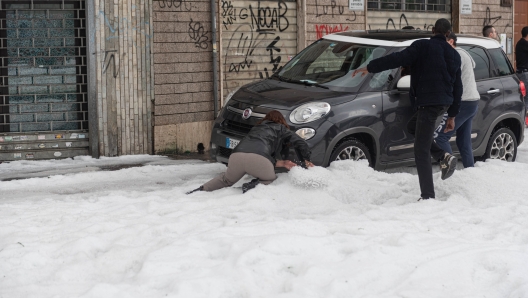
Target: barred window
[410,5]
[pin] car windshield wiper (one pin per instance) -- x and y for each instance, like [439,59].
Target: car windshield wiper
[313,84]
[303,82]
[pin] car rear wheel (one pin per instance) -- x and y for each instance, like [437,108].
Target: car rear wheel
[351,149]
[502,145]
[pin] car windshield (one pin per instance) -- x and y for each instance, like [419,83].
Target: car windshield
[330,64]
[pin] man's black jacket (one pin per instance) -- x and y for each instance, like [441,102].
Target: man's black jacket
[521,54]
[268,139]
[435,72]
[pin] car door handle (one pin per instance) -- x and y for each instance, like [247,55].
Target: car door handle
[493,91]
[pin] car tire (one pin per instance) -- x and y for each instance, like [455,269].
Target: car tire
[502,145]
[351,149]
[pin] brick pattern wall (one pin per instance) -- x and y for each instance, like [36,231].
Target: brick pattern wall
[183,78]
[330,16]
[488,13]
[123,76]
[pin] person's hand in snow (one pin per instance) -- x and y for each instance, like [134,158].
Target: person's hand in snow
[288,164]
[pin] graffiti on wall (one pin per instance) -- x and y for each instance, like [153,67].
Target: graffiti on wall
[384,20]
[491,21]
[111,59]
[256,33]
[322,30]
[198,34]
[196,31]
[118,25]
[182,5]
[333,9]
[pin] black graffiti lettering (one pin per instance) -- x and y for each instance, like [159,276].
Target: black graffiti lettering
[243,15]
[488,19]
[332,7]
[355,17]
[111,58]
[390,21]
[270,19]
[403,17]
[275,61]
[179,3]
[271,47]
[198,34]
[176,4]
[246,46]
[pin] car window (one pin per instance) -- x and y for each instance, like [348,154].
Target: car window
[502,63]
[332,64]
[481,60]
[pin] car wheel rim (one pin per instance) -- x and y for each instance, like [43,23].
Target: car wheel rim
[503,147]
[351,153]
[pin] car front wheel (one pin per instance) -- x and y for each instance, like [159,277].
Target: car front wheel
[502,145]
[351,149]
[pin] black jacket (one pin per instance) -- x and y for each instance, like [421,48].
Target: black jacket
[435,72]
[521,54]
[268,139]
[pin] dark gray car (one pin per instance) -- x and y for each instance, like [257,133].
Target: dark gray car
[352,117]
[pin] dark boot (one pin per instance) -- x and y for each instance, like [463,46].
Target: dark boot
[250,185]
[198,189]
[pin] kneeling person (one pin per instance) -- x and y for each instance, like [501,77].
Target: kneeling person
[257,154]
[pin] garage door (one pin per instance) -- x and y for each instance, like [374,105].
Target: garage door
[43,96]
[258,38]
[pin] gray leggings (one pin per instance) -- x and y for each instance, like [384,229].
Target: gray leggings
[240,164]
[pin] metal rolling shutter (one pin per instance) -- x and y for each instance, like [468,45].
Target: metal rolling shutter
[43,93]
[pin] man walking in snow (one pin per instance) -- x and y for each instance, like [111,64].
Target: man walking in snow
[436,87]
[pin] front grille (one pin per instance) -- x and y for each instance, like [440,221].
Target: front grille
[237,126]
[223,151]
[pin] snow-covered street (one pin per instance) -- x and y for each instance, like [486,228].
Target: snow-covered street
[75,230]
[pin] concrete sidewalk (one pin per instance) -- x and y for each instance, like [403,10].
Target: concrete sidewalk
[24,169]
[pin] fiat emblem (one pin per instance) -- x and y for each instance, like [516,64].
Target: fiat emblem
[246,114]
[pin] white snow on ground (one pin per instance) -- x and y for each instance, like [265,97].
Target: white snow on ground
[344,231]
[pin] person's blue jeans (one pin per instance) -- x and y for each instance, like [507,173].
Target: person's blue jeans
[468,110]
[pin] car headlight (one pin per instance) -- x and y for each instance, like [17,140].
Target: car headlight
[309,112]
[306,133]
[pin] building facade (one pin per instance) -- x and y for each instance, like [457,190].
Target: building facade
[109,78]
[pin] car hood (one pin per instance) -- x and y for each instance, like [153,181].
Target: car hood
[287,96]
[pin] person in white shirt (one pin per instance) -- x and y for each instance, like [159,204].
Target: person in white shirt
[468,109]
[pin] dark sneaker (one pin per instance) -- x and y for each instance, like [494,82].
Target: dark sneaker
[448,166]
[198,189]
[250,185]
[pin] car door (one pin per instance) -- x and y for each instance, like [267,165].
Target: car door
[396,142]
[513,100]
[491,93]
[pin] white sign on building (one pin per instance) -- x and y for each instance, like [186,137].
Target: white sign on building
[356,5]
[465,7]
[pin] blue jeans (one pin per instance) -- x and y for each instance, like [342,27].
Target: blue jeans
[468,110]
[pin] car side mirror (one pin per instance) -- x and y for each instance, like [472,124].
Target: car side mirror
[404,83]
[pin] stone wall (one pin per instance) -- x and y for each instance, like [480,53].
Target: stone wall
[330,16]
[183,80]
[488,13]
